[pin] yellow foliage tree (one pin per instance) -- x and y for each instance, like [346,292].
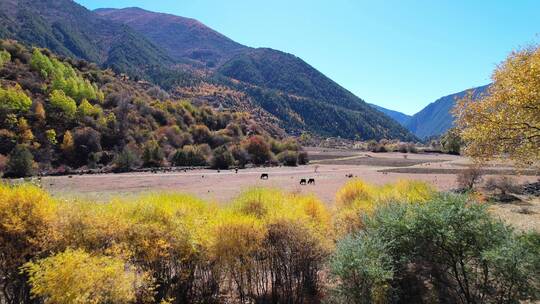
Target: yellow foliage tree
[25,132]
[39,112]
[506,121]
[163,234]
[27,230]
[297,236]
[77,277]
[67,144]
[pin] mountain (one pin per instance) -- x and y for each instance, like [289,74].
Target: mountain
[436,118]
[395,115]
[185,57]
[69,29]
[303,98]
[184,39]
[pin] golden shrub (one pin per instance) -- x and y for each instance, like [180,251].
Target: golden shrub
[27,230]
[357,198]
[77,277]
[354,190]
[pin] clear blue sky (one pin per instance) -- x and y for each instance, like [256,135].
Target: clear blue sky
[400,54]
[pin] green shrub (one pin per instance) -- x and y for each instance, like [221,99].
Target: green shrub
[62,104]
[288,158]
[20,162]
[64,77]
[126,160]
[13,100]
[447,250]
[222,158]
[4,57]
[189,156]
[240,155]
[152,155]
[303,158]
[364,269]
[451,142]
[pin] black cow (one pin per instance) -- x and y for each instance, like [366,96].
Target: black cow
[311,181]
[303,181]
[264,176]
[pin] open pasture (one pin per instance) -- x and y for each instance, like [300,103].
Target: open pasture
[330,168]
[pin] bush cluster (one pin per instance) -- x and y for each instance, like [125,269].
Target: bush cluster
[357,198]
[266,246]
[405,244]
[385,145]
[70,114]
[448,250]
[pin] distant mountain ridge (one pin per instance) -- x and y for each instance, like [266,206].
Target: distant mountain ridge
[304,98]
[395,115]
[282,84]
[184,39]
[436,118]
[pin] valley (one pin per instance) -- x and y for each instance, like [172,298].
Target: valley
[148,158]
[329,168]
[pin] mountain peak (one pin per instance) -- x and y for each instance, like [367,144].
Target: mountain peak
[183,38]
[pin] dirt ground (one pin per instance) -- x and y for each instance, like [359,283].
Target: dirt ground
[328,167]
[523,214]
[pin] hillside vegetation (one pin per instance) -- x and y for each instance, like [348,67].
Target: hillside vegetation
[397,243]
[181,54]
[64,113]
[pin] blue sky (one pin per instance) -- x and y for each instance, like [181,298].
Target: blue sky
[398,54]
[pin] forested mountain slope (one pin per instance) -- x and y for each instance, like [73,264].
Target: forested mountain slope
[395,115]
[304,98]
[184,39]
[69,29]
[436,118]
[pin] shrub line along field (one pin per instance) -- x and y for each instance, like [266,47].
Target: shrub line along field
[402,240]
[330,175]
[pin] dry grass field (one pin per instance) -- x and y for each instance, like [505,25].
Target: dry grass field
[330,168]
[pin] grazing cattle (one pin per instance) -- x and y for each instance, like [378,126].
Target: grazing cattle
[236,170]
[264,176]
[311,181]
[303,181]
[349,175]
